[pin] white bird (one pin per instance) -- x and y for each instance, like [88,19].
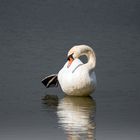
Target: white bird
[76,78]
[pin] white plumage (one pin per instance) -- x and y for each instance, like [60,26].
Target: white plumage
[77,78]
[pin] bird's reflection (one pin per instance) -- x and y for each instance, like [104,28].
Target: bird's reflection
[76,115]
[50,101]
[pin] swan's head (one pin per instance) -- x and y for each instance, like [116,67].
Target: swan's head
[77,51]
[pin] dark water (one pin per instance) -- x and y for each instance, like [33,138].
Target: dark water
[34,39]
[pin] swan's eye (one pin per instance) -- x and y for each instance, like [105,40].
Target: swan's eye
[70,57]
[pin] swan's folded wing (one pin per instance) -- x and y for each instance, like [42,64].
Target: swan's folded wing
[50,81]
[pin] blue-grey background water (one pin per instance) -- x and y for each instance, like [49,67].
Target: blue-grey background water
[35,36]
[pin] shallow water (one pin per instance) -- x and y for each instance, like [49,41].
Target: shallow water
[34,39]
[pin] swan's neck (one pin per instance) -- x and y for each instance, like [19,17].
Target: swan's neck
[91,59]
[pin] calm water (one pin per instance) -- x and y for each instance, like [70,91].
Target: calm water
[34,39]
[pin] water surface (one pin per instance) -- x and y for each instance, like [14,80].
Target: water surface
[34,39]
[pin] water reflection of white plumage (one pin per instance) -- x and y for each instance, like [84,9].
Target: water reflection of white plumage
[77,117]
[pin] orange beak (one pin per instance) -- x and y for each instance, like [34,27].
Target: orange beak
[69,62]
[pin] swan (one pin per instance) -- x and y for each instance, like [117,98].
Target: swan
[76,78]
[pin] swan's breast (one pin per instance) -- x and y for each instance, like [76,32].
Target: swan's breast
[76,79]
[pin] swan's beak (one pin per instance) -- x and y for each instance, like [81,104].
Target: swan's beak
[69,62]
